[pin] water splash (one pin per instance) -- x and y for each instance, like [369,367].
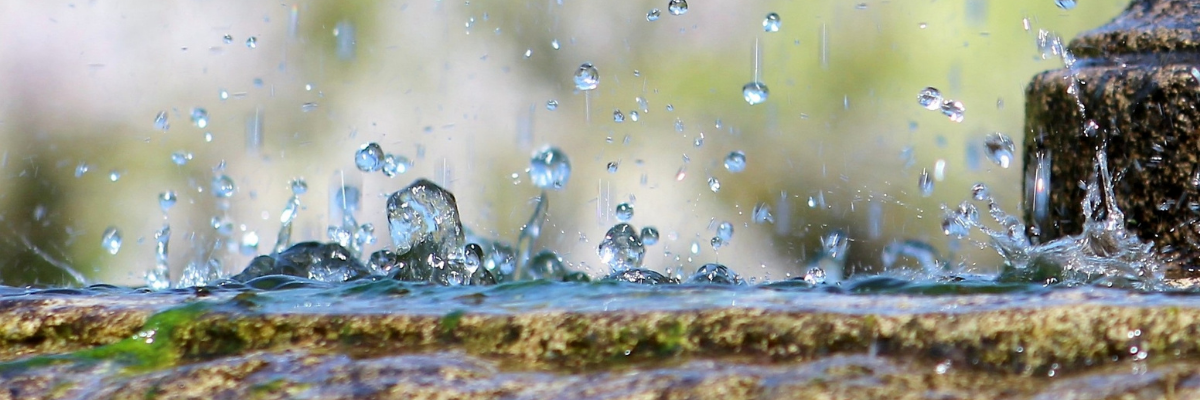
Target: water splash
[1105,253]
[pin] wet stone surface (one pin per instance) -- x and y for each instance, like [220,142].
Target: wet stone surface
[540,339]
[1137,91]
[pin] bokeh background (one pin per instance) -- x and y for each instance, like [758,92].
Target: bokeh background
[460,88]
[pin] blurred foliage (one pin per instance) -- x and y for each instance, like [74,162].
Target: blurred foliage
[448,85]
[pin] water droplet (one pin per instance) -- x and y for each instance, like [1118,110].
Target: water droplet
[979,192]
[670,107]
[762,213]
[228,39]
[930,98]
[699,141]
[653,14]
[546,264]
[114,175]
[999,148]
[208,136]
[618,117]
[424,216]
[725,231]
[299,186]
[549,168]
[771,23]
[633,116]
[249,245]
[160,121]
[223,94]
[1090,127]
[815,275]
[308,107]
[954,110]
[528,53]
[166,200]
[642,103]
[755,93]
[251,42]
[736,161]
[586,77]
[715,273]
[81,169]
[621,249]
[714,184]
[552,105]
[677,7]
[369,157]
[222,186]
[624,212]
[111,240]
[200,117]
[324,262]
[181,157]
[612,167]
[649,236]
[678,125]
[1065,4]
[554,44]
[364,235]
[925,183]
[395,165]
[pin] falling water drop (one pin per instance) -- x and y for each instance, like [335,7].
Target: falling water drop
[395,165]
[624,212]
[554,44]
[111,240]
[227,39]
[369,157]
[222,186]
[181,157]
[166,200]
[621,248]
[200,117]
[618,117]
[251,42]
[299,186]
[1090,127]
[954,110]
[1065,4]
[979,192]
[762,213]
[771,23]
[653,14]
[725,231]
[160,121]
[925,183]
[649,235]
[713,184]
[586,77]
[755,93]
[930,98]
[736,161]
[677,7]
[551,105]
[633,116]
[549,168]
[81,169]
[999,148]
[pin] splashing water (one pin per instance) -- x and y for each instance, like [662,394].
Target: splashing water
[1105,253]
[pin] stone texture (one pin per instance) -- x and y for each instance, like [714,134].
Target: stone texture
[1139,84]
[775,344]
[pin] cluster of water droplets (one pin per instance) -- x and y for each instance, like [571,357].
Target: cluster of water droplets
[931,99]
[370,157]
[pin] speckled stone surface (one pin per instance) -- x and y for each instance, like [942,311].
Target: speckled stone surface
[1077,343]
[1138,82]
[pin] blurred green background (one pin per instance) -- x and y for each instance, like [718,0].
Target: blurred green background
[461,89]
